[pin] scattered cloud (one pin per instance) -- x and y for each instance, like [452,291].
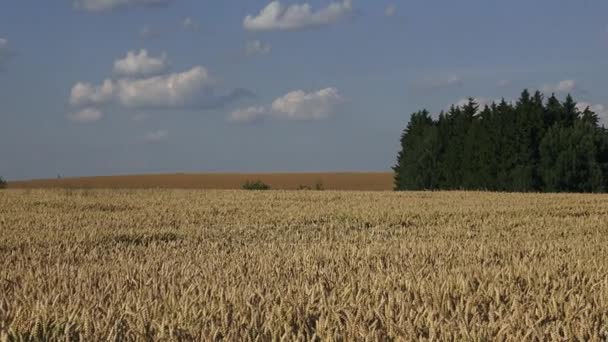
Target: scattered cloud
[167,91]
[300,105]
[441,82]
[565,86]
[390,10]
[106,5]
[599,109]
[276,16]
[190,89]
[86,115]
[85,94]
[156,136]
[190,25]
[256,47]
[141,64]
[249,114]
[296,105]
[5,51]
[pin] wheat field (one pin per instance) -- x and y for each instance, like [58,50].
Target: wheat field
[185,265]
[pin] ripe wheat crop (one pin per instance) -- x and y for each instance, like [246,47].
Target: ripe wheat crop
[96,265]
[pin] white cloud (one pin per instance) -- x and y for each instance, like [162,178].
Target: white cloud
[390,10]
[105,5]
[86,115]
[296,105]
[190,24]
[191,89]
[141,64]
[85,94]
[256,47]
[299,105]
[172,90]
[249,114]
[167,91]
[156,136]
[599,109]
[565,86]
[276,16]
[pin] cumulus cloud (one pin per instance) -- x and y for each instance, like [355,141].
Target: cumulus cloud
[565,86]
[390,10]
[167,91]
[276,16]
[300,105]
[256,47]
[190,24]
[191,89]
[156,136]
[85,94]
[249,114]
[296,105]
[106,5]
[134,88]
[599,109]
[86,115]
[141,64]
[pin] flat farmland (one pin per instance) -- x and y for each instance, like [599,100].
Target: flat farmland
[371,181]
[193,265]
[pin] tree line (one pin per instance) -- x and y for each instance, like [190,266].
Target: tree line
[530,145]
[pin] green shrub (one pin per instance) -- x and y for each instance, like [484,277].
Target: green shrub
[3,183]
[319,186]
[255,185]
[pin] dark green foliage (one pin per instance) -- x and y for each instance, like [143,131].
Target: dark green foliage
[319,186]
[3,183]
[416,168]
[255,185]
[531,145]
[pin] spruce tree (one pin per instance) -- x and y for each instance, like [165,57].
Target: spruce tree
[416,163]
[532,145]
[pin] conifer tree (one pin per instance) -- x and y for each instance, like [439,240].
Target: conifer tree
[532,145]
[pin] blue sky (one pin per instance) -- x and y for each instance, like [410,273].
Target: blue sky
[97,87]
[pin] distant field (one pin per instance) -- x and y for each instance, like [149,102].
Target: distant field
[372,181]
[191,265]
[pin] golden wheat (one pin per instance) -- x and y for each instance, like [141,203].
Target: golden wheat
[96,265]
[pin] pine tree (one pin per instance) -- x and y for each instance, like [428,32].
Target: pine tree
[529,146]
[529,123]
[569,159]
[416,167]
